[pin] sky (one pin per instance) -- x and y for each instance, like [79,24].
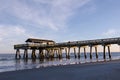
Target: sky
[58,20]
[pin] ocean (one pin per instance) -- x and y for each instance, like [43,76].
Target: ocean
[9,63]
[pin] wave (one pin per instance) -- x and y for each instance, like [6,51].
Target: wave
[6,59]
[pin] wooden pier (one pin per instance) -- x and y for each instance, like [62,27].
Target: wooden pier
[51,49]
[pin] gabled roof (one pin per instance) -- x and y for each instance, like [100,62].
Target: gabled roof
[38,40]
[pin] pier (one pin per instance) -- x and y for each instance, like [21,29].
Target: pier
[51,49]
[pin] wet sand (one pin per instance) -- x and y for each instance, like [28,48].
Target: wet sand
[88,71]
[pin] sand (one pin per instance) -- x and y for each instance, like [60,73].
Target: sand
[88,71]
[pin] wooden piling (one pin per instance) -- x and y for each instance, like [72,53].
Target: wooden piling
[85,53]
[51,52]
[33,56]
[104,52]
[96,52]
[68,56]
[109,52]
[57,54]
[90,52]
[41,55]
[25,56]
[17,56]
[47,53]
[75,53]
[66,52]
[61,52]
[79,52]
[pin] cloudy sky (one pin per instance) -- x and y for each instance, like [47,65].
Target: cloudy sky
[60,20]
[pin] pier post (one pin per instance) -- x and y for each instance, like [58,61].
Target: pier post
[79,52]
[47,53]
[90,51]
[17,56]
[52,53]
[75,53]
[68,53]
[57,54]
[104,52]
[61,52]
[96,52]
[33,56]
[85,53]
[25,56]
[41,55]
[109,51]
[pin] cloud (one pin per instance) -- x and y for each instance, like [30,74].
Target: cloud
[52,14]
[9,33]
[112,33]
[20,19]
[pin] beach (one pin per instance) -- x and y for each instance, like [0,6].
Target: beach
[105,70]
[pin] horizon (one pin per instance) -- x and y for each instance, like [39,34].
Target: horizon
[58,20]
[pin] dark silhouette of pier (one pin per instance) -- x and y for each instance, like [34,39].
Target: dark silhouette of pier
[51,49]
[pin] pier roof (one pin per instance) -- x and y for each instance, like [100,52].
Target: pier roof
[33,40]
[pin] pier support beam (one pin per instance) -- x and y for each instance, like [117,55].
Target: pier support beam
[85,53]
[60,52]
[75,52]
[109,51]
[52,53]
[33,56]
[90,51]
[47,53]
[68,54]
[41,55]
[79,52]
[96,52]
[57,54]
[25,56]
[104,52]
[17,56]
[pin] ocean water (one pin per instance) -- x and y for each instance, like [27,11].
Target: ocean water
[9,63]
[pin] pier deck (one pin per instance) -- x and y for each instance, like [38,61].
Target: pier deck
[48,48]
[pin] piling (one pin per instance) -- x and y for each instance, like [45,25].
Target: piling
[109,52]
[66,52]
[41,55]
[79,52]
[33,56]
[25,56]
[104,52]
[17,56]
[96,52]
[68,55]
[75,52]
[85,53]
[90,52]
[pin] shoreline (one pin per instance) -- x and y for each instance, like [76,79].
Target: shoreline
[103,70]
